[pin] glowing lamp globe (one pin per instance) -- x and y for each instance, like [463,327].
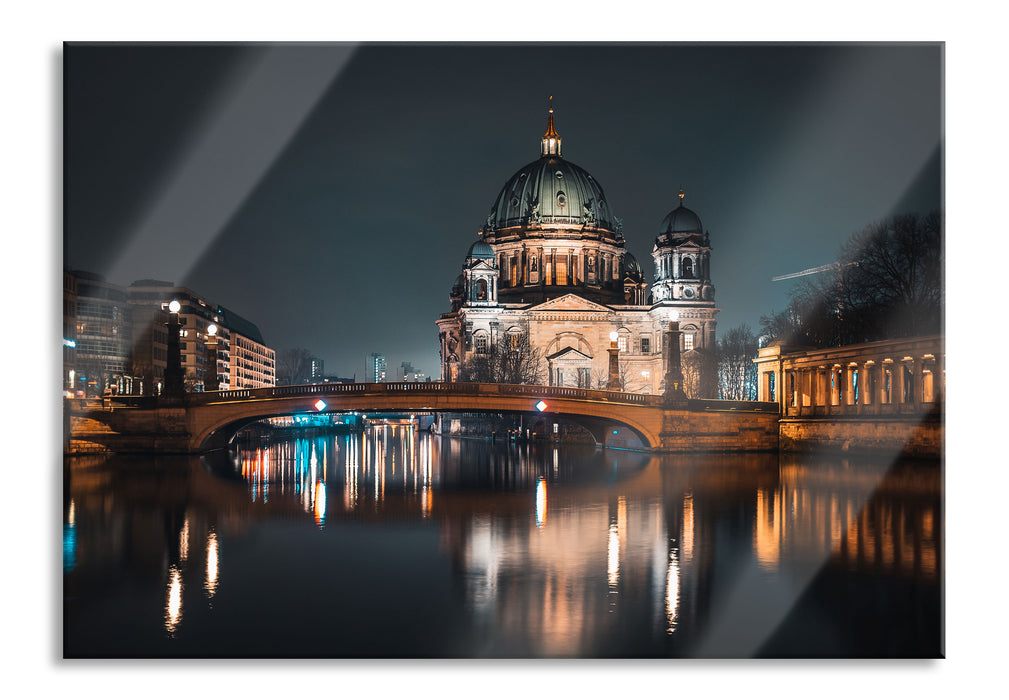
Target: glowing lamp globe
[212,329]
[174,306]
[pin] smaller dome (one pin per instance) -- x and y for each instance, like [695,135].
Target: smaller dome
[631,265]
[460,283]
[480,250]
[681,220]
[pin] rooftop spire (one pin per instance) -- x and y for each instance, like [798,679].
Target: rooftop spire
[681,195]
[551,143]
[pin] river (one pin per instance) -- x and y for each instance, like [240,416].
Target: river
[399,544]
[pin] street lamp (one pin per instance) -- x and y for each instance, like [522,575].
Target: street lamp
[211,382]
[614,379]
[673,393]
[173,370]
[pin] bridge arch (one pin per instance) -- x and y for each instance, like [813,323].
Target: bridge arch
[215,417]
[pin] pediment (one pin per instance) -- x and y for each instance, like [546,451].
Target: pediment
[568,353]
[690,245]
[487,265]
[570,302]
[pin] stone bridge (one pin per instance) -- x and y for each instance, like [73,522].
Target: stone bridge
[200,422]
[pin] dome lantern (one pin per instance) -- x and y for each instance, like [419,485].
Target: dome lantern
[550,145]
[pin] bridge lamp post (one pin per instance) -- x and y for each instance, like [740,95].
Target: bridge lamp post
[614,380]
[212,383]
[673,392]
[173,371]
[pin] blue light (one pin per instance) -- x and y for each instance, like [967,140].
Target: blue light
[69,547]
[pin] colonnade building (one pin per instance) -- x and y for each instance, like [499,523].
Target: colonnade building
[550,266]
[887,377]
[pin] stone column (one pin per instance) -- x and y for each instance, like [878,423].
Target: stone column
[613,383]
[917,383]
[174,385]
[211,383]
[864,387]
[848,373]
[673,393]
[939,378]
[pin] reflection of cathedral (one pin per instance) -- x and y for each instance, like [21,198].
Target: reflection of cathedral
[550,265]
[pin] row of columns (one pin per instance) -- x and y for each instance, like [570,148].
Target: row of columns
[519,269]
[670,266]
[482,288]
[882,385]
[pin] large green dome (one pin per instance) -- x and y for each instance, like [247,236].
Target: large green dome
[551,190]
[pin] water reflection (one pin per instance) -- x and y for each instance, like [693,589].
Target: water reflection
[210,584]
[534,551]
[173,600]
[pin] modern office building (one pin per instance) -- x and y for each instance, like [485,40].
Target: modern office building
[102,342]
[376,368]
[69,381]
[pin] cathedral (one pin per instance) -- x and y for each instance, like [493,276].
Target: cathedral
[549,277]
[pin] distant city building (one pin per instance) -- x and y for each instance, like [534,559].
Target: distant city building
[550,267]
[409,373]
[149,343]
[69,333]
[377,369]
[243,359]
[115,339]
[316,370]
[151,297]
[333,379]
[253,364]
[102,342]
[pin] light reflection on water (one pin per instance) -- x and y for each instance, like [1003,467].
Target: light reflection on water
[472,549]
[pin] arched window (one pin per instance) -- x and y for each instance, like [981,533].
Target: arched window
[480,343]
[688,268]
[481,289]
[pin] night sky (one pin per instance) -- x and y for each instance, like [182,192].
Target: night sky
[328,193]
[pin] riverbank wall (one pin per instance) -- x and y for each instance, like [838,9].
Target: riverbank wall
[914,436]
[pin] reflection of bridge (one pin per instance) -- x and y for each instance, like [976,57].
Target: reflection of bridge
[204,421]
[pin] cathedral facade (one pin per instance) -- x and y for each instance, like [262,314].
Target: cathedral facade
[549,277]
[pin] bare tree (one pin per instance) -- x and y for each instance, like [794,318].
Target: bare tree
[511,360]
[737,375]
[293,366]
[889,284]
[896,290]
[700,374]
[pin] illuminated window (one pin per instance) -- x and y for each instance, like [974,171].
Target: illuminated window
[622,343]
[688,341]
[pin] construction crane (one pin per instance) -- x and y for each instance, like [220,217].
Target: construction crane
[814,270]
[837,267]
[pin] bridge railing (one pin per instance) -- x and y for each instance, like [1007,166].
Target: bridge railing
[467,388]
[280,392]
